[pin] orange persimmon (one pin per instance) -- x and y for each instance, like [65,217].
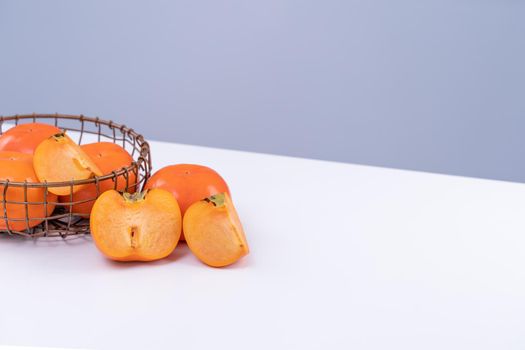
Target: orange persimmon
[144,226]
[25,138]
[108,157]
[189,183]
[18,167]
[58,158]
[214,232]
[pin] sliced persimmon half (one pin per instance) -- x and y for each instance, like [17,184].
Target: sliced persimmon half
[58,158]
[143,226]
[214,232]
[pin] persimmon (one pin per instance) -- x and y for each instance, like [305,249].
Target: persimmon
[144,226]
[214,232]
[18,167]
[189,183]
[58,158]
[108,157]
[25,138]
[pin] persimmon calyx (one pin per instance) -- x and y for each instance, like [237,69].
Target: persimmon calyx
[217,199]
[59,136]
[134,197]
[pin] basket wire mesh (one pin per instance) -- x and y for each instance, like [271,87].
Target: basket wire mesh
[63,221]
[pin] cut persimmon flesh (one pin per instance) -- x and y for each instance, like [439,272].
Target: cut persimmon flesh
[58,159]
[144,226]
[108,157]
[214,232]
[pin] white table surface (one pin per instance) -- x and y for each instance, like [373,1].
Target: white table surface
[342,257]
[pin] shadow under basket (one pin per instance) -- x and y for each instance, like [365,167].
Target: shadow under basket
[63,221]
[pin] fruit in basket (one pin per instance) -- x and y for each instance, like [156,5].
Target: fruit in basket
[25,138]
[58,158]
[143,226]
[18,167]
[108,157]
[189,183]
[214,232]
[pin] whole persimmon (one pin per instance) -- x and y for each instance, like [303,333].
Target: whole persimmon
[108,157]
[58,159]
[18,167]
[143,226]
[25,138]
[189,183]
[214,232]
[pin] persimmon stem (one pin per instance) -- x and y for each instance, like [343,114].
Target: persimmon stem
[59,135]
[134,197]
[217,199]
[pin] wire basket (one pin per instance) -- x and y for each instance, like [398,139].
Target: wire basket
[63,221]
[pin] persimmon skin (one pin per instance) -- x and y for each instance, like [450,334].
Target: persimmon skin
[214,231]
[189,183]
[18,167]
[108,157]
[144,226]
[58,158]
[25,138]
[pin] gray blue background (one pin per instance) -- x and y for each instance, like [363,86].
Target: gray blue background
[436,85]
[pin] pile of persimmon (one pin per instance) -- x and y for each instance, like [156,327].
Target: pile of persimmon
[37,153]
[179,202]
[17,146]
[146,226]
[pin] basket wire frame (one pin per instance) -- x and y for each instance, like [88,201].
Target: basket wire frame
[63,221]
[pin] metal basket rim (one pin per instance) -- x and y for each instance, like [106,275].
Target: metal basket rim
[144,147]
